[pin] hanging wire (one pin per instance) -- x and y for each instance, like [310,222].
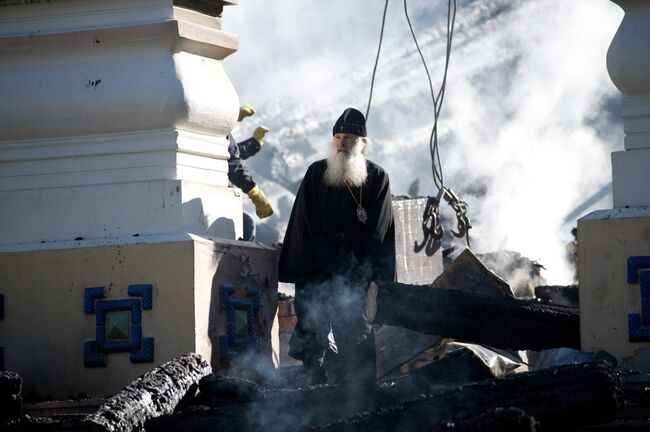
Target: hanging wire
[374,70]
[436,164]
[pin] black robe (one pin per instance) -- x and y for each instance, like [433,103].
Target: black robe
[324,236]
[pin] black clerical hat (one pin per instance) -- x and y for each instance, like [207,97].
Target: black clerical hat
[352,122]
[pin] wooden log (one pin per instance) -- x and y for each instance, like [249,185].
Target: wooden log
[559,398]
[269,410]
[155,393]
[557,294]
[569,395]
[10,398]
[495,420]
[500,322]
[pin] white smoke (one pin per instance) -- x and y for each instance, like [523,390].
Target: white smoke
[527,118]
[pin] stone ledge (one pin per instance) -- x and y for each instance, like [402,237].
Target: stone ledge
[221,43]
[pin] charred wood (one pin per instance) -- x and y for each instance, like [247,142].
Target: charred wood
[10,383]
[10,398]
[501,322]
[568,396]
[62,423]
[495,420]
[268,410]
[457,367]
[557,294]
[215,390]
[155,393]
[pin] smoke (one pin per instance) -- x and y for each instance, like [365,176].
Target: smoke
[530,116]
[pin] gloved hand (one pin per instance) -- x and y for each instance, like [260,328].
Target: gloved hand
[245,111]
[262,205]
[259,133]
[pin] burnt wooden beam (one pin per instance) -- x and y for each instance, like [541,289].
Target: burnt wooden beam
[156,393]
[10,398]
[500,322]
[559,398]
[495,420]
[564,396]
[234,404]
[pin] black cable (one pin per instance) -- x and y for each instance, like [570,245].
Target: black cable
[374,70]
[436,164]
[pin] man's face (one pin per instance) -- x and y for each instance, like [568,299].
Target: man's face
[348,144]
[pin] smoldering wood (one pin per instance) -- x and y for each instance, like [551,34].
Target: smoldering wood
[270,410]
[156,393]
[10,407]
[569,395]
[58,423]
[10,399]
[500,419]
[397,345]
[563,397]
[468,273]
[215,390]
[10,383]
[558,294]
[501,322]
[457,367]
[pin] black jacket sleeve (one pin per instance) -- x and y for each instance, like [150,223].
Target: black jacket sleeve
[237,172]
[248,148]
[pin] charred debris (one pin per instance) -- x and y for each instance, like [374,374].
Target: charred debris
[486,361]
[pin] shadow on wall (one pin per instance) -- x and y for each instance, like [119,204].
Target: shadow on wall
[196,222]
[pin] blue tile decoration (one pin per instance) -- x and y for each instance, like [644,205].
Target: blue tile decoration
[633,265]
[145,291]
[146,355]
[233,342]
[639,323]
[90,295]
[115,312]
[92,358]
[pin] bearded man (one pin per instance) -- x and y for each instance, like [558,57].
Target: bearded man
[340,236]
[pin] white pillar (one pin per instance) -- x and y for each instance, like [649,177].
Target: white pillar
[118,242]
[628,63]
[113,121]
[614,245]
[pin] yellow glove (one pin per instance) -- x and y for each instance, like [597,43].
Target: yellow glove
[262,205]
[245,111]
[259,133]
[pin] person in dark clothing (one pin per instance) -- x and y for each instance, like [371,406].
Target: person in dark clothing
[340,236]
[239,175]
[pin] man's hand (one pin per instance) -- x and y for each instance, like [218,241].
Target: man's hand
[259,133]
[245,111]
[262,205]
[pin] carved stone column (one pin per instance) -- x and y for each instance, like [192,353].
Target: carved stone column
[118,233]
[614,245]
[628,63]
[113,121]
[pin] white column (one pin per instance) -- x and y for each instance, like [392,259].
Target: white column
[113,121]
[628,63]
[614,244]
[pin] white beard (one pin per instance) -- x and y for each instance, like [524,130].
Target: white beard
[345,168]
